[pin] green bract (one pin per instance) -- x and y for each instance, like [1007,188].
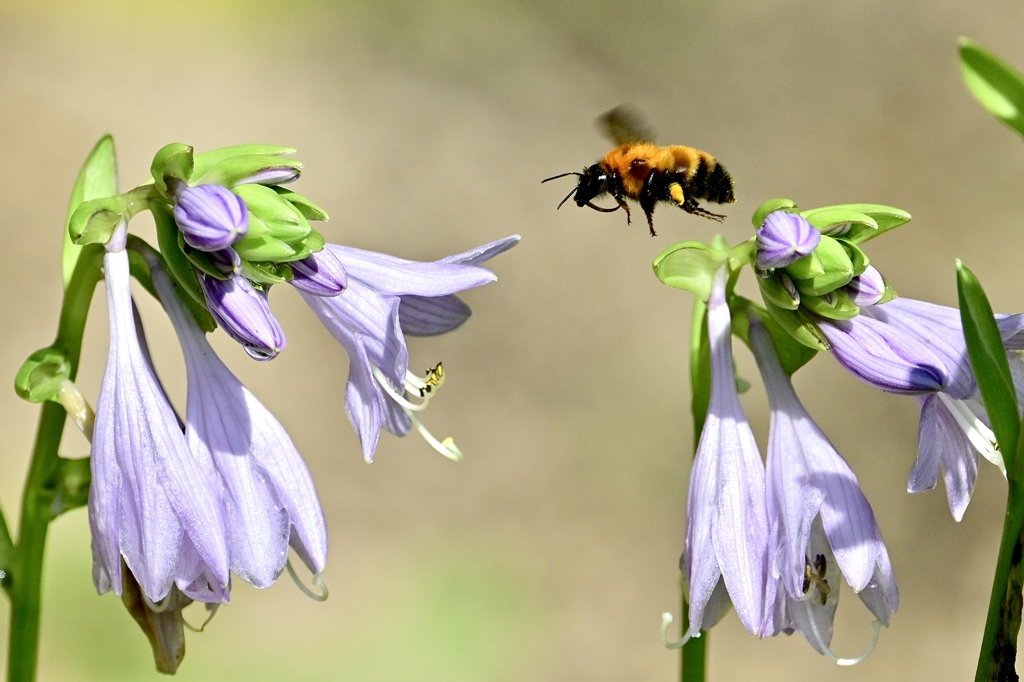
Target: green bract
[690,266]
[97,179]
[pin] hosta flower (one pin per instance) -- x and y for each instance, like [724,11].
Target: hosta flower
[266,491]
[384,294]
[884,357]
[953,431]
[819,521]
[727,524]
[152,502]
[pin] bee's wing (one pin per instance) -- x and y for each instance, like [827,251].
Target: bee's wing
[623,125]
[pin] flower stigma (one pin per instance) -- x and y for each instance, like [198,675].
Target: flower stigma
[317,580]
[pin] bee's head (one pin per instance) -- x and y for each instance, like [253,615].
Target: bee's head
[593,183]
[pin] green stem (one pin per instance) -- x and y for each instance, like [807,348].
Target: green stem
[27,576]
[693,655]
[999,643]
[25,579]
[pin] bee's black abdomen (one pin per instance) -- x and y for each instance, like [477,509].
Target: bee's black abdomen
[711,181]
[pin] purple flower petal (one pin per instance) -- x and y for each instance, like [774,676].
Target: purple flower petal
[727,527]
[321,274]
[149,490]
[267,493]
[883,356]
[867,288]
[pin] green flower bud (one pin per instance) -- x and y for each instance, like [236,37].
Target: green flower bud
[835,305]
[779,290]
[283,220]
[837,269]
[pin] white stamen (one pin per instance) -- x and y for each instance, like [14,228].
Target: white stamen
[318,583]
[977,432]
[666,621]
[426,387]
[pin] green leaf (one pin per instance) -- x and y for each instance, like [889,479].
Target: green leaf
[264,248]
[690,266]
[991,368]
[96,179]
[998,86]
[796,324]
[770,206]
[284,220]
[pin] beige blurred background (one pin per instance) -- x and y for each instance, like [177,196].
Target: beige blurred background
[549,553]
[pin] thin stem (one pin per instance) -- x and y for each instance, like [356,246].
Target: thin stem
[25,579]
[27,574]
[999,643]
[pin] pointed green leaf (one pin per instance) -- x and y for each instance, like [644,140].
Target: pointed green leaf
[96,179]
[991,368]
[237,170]
[885,217]
[998,86]
[306,207]
[171,165]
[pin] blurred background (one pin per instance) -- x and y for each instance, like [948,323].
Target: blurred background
[425,129]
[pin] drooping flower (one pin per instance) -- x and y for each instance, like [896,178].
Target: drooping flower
[818,519]
[953,432]
[727,524]
[152,502]
[367,320]
[267,493]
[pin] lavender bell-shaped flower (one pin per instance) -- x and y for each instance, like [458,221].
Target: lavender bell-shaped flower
[818,519]
[367,320]
[727,524]
[152,502]
[268,496]
[953,433]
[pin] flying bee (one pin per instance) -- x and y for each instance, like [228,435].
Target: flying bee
[640,170]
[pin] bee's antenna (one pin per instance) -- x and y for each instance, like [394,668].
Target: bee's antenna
[554,177]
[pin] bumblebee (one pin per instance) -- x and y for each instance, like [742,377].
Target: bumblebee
[642,171]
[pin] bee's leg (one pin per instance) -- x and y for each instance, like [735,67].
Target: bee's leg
[622,204]
[691,207]
[648,200]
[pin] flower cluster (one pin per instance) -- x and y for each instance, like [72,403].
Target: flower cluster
[184,503]
[774,538]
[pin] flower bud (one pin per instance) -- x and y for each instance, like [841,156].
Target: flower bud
[210,217]
[320,274]
[244,313]
[783,239]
